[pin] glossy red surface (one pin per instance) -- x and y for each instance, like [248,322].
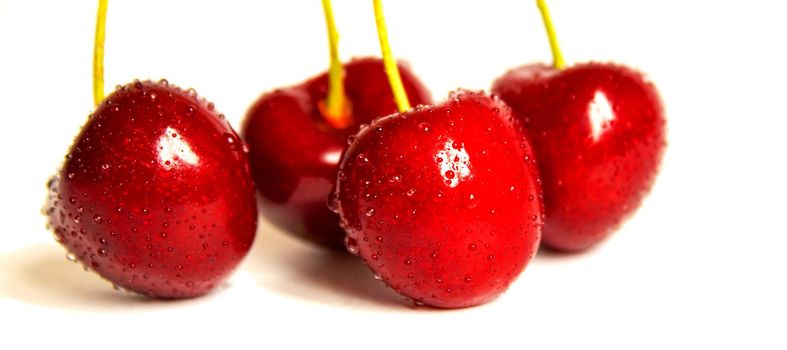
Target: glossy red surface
[443,202]
[294,152]
[598,131]
[155,194]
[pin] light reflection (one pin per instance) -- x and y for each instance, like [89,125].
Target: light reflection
[173,150]
[332,157]
[600,112]
[454,163]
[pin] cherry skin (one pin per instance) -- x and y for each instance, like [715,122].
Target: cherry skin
[598,131]
[155,194]
[294,151]
[443,202]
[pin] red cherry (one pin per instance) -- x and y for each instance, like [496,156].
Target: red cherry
[598,133]
[155,194]
[294,151]
[443,202]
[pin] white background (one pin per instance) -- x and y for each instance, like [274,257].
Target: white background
[701,265]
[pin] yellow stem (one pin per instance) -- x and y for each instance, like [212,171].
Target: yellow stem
[98,53]
[337,110]
[391,69]
[557,56]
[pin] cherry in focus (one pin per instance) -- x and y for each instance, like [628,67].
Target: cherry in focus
[443,202]
[155,194]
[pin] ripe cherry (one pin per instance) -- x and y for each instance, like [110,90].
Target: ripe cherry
[155,194]
[296,137]
[598,133]
[443,201]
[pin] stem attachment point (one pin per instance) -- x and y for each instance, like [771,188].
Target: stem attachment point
[336,107]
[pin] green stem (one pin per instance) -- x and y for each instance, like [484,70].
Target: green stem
[337,111]
[391,69]
[98,53]
[557,56]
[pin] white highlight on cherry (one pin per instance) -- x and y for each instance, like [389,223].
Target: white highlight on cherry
[601,113]
[454,162]
[173,150]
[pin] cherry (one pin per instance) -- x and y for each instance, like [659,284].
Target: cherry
[155,194]
[295,141]
[598,133]
[442,201]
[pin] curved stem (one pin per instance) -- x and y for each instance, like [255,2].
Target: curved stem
[391,69]
[337,110]
[98,53]
[557,56]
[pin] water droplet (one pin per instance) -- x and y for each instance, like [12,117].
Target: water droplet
[379,239]
[192,227]
[370,212]
[350,139]
[137,84]
[449,174]
[408,261]
[425,127]
[351,244]
[530,197]
[211,106]
[71,257]
[98,219]
[164,82]
[410,192]
[395,179]
[490,257]
[333,202]
[71,175]
[472,246]
[377,277]
[470,200]
[102,252]
[72,200]
[533,218]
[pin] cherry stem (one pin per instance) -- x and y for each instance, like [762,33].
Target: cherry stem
[337,111]
[557,56]
[98,53]
[391,69]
